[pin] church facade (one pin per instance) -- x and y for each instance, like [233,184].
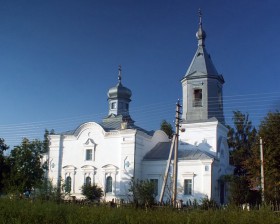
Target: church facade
[114,151]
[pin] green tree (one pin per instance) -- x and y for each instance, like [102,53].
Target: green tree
[25,172]
[46,141]
[3,166]
[167,128]
[92,192]
[143,192]
[269,132]
[242,140]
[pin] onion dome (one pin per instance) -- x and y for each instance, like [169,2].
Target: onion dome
[119,91]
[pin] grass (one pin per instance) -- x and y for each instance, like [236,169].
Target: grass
[24,211]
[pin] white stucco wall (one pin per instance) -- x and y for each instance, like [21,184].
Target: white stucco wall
[116,153]
[119,154]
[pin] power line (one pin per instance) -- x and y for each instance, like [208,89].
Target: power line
[156,111]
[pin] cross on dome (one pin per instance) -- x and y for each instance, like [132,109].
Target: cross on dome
[200,16]
[120,73]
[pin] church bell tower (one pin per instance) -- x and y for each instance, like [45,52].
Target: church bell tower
[202,85]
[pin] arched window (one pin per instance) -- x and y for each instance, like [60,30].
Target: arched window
[88,181]
[109,185]
[68,184]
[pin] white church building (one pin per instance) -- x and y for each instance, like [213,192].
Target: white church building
[109,153]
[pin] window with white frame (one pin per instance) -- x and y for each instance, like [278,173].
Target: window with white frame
[88,154]
[88,181]
[69,178]
[68,183]
[109,183]
[188,187]
[89,173]
[155,183]
[110,175]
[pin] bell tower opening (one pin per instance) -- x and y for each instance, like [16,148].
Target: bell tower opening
[197,98]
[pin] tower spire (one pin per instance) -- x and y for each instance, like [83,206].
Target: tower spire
[200,34]
[202,84]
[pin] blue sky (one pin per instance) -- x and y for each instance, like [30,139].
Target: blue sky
[59,58]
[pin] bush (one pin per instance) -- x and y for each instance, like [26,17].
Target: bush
[92,192]
[143,192]
[208,204]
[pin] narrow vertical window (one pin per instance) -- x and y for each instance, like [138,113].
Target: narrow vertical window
[155,183]
[88,181]
[109,185]
[113,105]
[197,98]
[68,184]
[89,154]
[187,187]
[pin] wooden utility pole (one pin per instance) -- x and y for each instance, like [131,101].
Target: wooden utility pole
[175,163]
[166,170]
[262,170]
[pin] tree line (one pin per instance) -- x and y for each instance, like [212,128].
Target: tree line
[244,141]
[22,170]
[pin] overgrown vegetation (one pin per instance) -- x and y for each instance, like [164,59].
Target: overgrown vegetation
[25,211]
[47,192]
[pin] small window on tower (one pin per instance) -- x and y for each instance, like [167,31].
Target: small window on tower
[113,105]
[197,98]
